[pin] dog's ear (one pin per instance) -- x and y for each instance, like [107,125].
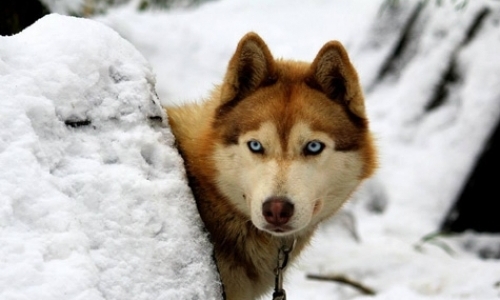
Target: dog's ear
[251,66]
[333,73]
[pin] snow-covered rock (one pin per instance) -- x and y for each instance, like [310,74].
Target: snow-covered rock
[93,199]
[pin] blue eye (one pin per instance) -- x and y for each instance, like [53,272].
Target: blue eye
[314,148]
[255,146]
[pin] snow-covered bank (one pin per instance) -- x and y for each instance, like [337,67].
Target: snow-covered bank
[93,201]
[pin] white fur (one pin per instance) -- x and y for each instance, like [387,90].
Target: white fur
[316,185]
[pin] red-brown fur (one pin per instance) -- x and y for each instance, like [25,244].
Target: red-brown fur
[325,94]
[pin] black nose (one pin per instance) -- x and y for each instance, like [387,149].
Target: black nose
[277,210]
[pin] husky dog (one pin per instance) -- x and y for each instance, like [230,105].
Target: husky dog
[278,147]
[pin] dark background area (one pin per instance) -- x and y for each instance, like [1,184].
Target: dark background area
[15,15]
[478,206]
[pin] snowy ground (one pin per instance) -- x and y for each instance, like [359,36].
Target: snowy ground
[425,155]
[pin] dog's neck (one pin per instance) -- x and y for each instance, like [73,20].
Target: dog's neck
[242,250]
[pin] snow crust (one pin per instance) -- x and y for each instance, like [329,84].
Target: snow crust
[93,199]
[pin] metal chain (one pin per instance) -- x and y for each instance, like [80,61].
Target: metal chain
[283,252]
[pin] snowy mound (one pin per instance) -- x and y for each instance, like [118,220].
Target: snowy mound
[93,200]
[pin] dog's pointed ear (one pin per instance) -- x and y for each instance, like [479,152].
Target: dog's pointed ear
[333,73]
[251,66]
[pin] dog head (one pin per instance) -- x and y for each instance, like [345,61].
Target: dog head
[293,137]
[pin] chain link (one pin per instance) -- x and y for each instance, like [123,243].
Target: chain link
[283,253]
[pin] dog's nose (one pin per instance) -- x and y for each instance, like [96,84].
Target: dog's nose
[277,210]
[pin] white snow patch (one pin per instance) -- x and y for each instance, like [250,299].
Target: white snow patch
[94,201]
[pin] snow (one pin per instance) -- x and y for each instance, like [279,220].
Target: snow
[102,211]
[192,47]
[94,201]
[66,7]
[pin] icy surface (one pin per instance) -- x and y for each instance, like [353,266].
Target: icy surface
[93,200]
